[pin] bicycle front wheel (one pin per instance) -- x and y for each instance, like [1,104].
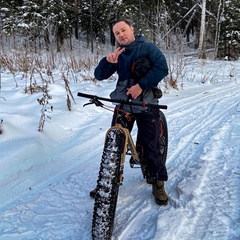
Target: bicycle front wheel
[108,184]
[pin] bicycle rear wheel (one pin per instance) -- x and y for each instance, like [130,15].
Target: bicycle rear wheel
[108,184]
[163,136]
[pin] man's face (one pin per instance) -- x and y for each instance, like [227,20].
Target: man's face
[123,33]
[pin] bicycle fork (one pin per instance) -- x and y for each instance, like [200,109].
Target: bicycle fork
[128,144]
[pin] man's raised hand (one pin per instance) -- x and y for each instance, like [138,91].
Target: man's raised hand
[113,57]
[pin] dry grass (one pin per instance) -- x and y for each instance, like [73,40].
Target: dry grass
[46,108]
[68,92]
[39,70]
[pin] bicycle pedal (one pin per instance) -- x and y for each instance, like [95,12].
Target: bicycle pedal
[128,152]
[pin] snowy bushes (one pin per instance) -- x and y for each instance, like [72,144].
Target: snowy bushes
[46,106]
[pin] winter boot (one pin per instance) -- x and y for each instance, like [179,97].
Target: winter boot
[159,193]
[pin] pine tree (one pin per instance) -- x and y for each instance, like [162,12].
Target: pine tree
[230,33]
[58,22]
[29,21]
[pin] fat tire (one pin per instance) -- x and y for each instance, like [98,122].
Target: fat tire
[108,185]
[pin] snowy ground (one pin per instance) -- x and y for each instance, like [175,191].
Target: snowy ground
[45,178]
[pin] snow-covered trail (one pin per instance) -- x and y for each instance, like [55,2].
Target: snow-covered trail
[204,173]
[203,165]
[206,168]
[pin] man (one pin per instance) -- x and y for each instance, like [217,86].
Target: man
[122,60]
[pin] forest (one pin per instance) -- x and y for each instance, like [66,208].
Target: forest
[42,23]
[73,34]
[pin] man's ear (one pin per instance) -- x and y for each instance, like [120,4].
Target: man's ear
[132,28]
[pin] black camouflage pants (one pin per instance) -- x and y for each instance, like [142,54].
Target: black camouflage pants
[148,135]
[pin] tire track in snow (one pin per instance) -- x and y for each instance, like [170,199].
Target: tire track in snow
[56,207]
[189,173]
[220,161]
[190,139]
[137,214]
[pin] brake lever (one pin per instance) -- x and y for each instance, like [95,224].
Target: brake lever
[90,102]
[94,101]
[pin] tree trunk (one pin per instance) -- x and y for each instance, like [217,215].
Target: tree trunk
[218,27]
[201,50]
[91,23]
[76,19]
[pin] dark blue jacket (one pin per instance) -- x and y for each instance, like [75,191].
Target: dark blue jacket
[137,49]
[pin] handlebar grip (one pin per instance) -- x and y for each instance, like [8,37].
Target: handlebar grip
[154,105]
[162,106]
[86,95]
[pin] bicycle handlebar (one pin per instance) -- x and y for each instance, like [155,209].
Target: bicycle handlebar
[121,101]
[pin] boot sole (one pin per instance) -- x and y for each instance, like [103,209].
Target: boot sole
[160,202]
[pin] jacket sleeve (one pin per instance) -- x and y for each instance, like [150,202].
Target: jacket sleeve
[104,69]
[159,69]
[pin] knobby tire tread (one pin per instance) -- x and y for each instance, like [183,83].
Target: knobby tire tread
[108,185]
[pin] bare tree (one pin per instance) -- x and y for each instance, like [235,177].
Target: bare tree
[201,50]
[218,26]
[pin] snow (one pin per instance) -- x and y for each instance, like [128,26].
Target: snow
[45,177]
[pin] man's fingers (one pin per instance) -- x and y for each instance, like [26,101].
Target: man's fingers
[113,57]
[119,51]
[122,50]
